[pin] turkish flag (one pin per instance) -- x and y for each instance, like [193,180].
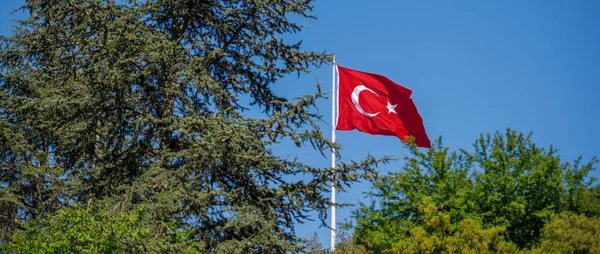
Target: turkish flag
[376,105]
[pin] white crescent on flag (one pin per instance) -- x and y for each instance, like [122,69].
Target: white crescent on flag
[355,95]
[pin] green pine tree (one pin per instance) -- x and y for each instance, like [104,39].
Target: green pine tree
[126,103]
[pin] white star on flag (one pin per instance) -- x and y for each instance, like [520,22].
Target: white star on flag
[391,108]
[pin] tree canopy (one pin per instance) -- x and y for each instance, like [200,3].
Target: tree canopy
[499,197]
[127,103]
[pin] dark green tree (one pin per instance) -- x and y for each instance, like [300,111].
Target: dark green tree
[144,102]
[507,182]
[520,185]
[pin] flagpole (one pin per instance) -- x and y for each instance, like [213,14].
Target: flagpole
[333,118]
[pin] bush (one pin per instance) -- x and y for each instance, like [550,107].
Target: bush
[94,230]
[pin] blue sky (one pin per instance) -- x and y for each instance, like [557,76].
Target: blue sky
[474,67]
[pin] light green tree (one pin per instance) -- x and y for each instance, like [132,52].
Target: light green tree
[570,233]
[96,230]
[438,235]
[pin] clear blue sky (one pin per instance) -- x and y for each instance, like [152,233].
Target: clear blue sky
[474,67]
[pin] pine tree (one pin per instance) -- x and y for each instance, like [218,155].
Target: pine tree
[127,103]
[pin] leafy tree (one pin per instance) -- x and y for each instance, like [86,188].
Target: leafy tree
[506,182]
[591,201]
[94,230]
[523,185]
[434,235]
[571,233]
[145,102]
[437,234]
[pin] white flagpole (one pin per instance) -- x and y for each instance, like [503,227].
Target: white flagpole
[333,118]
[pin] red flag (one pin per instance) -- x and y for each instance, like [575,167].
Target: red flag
[376,105]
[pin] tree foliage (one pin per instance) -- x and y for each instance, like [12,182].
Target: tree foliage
[145,102]
[506,183]
[434,235]
[95,230]
[437,235]
[571,233]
